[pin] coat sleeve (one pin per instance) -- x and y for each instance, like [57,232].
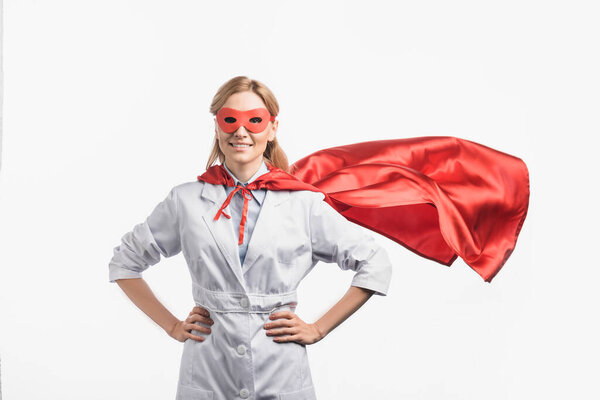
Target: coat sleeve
[157,235]
[334,239]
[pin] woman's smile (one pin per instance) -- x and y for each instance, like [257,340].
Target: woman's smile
[240,146]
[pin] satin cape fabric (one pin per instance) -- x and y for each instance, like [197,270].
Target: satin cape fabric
[440,197]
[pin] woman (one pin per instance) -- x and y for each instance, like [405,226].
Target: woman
[246,267]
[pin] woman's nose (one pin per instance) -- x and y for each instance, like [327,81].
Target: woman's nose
[241,131]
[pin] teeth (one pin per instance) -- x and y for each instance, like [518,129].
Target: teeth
[240,145]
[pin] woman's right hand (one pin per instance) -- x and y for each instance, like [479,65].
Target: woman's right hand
[181,331]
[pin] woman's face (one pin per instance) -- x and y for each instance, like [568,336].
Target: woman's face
[239,156]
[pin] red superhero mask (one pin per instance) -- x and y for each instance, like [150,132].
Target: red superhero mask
[255,121]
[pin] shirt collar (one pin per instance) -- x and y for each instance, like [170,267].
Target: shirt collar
[258,194]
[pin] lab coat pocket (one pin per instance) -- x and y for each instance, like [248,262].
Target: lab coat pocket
[303,394]
[190,393]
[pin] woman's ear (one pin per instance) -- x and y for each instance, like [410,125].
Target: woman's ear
[274,130]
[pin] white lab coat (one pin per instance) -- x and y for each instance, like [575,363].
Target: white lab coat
[294,230]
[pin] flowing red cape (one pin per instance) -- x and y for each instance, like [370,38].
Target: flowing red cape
[440,197]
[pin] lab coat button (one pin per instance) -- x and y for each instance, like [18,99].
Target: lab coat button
[241,349]
[244,302]
[244,393]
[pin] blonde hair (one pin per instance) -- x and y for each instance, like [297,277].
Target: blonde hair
[273,154]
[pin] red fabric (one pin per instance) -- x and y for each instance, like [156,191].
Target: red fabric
[440,197]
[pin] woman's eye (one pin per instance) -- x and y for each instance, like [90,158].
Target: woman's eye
[230,120]
[256,120]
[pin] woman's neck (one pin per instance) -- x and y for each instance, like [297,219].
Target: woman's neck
[243,172]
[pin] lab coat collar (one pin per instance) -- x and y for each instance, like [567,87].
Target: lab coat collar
[218,194]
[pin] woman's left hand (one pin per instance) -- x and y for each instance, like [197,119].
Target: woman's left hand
[286,326]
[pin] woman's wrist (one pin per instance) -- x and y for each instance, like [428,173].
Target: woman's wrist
[170,328]
[320,330]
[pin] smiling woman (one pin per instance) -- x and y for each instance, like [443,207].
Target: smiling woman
[245,279]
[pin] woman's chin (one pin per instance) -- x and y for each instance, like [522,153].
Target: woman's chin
[244,157]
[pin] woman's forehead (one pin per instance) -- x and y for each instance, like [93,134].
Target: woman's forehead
[244,101]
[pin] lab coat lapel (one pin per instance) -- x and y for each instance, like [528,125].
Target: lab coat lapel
[222,229]
[265,228]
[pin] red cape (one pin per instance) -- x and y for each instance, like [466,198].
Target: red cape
[441,197]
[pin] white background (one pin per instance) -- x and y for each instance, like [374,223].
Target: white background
[106,109]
